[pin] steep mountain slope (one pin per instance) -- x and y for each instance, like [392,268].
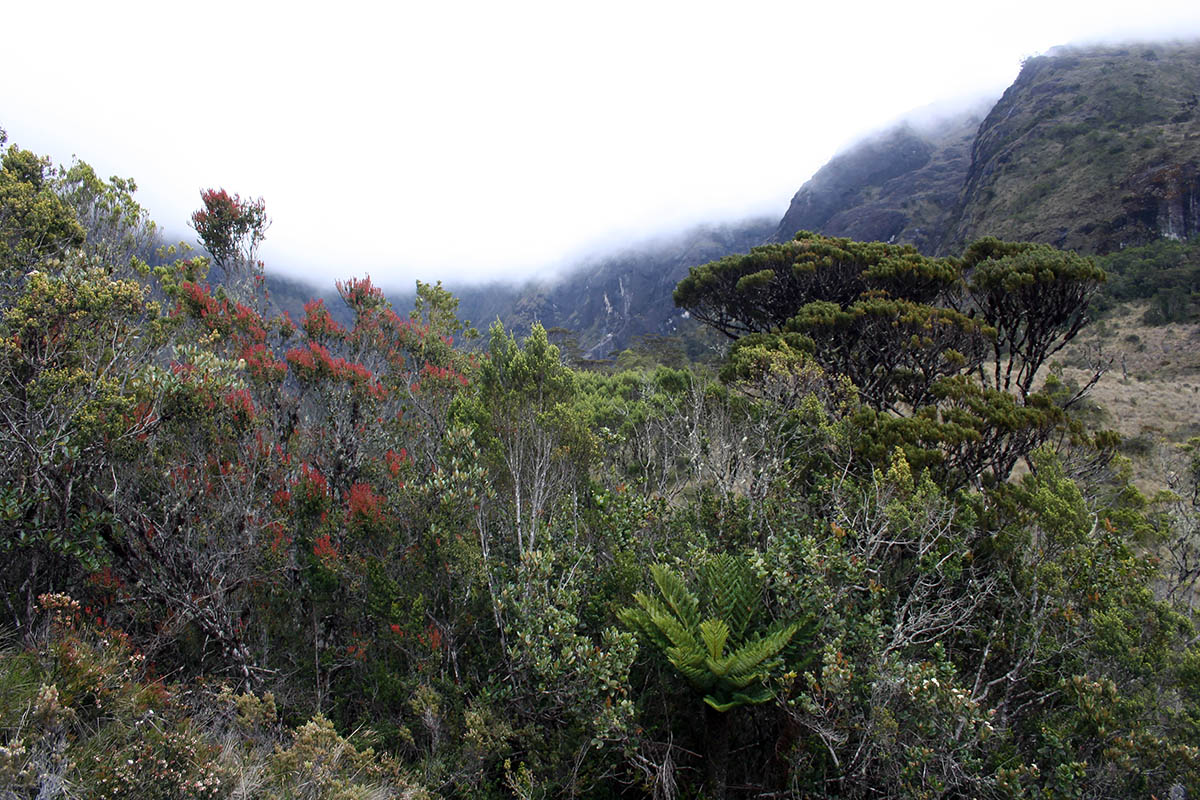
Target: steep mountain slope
[901,185]
[1090,149]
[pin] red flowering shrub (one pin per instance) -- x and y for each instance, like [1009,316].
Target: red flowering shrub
[318,324]
[364,508]
[230,228]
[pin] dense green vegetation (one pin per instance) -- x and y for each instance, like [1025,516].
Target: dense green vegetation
[1166,272]
[249,556]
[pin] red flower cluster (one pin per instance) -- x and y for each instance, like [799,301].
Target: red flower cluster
[249,322]
[318,323]
[434,377]
[239,321]
[239,402]
[262,364]
[432,638]
[395,461]
[279,540]
[360,293]
[364,507]
[317,362]
[212,312]
[326,550]
[312,485]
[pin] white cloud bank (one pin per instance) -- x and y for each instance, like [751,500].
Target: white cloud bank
[483,139]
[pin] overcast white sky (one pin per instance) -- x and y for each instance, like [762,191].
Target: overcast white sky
[493,139]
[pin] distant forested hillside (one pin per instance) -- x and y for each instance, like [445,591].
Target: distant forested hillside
[611,301]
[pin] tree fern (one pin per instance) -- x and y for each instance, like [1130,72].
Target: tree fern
[720,656]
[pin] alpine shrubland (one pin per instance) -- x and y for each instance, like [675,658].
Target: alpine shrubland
[878,554]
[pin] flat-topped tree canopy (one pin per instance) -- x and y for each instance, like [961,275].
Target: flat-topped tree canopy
[895,351]
[1035,296]
[859,302]
[759,291]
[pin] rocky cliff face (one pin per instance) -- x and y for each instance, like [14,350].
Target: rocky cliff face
[1091,150]
[1164,200]
[840,195]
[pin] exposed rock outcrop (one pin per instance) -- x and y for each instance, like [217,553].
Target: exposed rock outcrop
[1089,149]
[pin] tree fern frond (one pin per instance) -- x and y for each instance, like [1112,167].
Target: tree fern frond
[732,701]
[665,622]
[719,705]
[678,635]
[733,591]
[750,657]
[760,695]
[641,622]
[714,632]
[692,667]
[685,604]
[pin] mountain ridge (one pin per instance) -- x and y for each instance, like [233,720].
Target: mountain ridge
[1092,149]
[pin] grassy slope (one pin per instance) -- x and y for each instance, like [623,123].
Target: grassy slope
[1083,147]
[1151,392]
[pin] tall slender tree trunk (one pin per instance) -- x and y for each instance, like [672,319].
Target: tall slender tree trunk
[716,735]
